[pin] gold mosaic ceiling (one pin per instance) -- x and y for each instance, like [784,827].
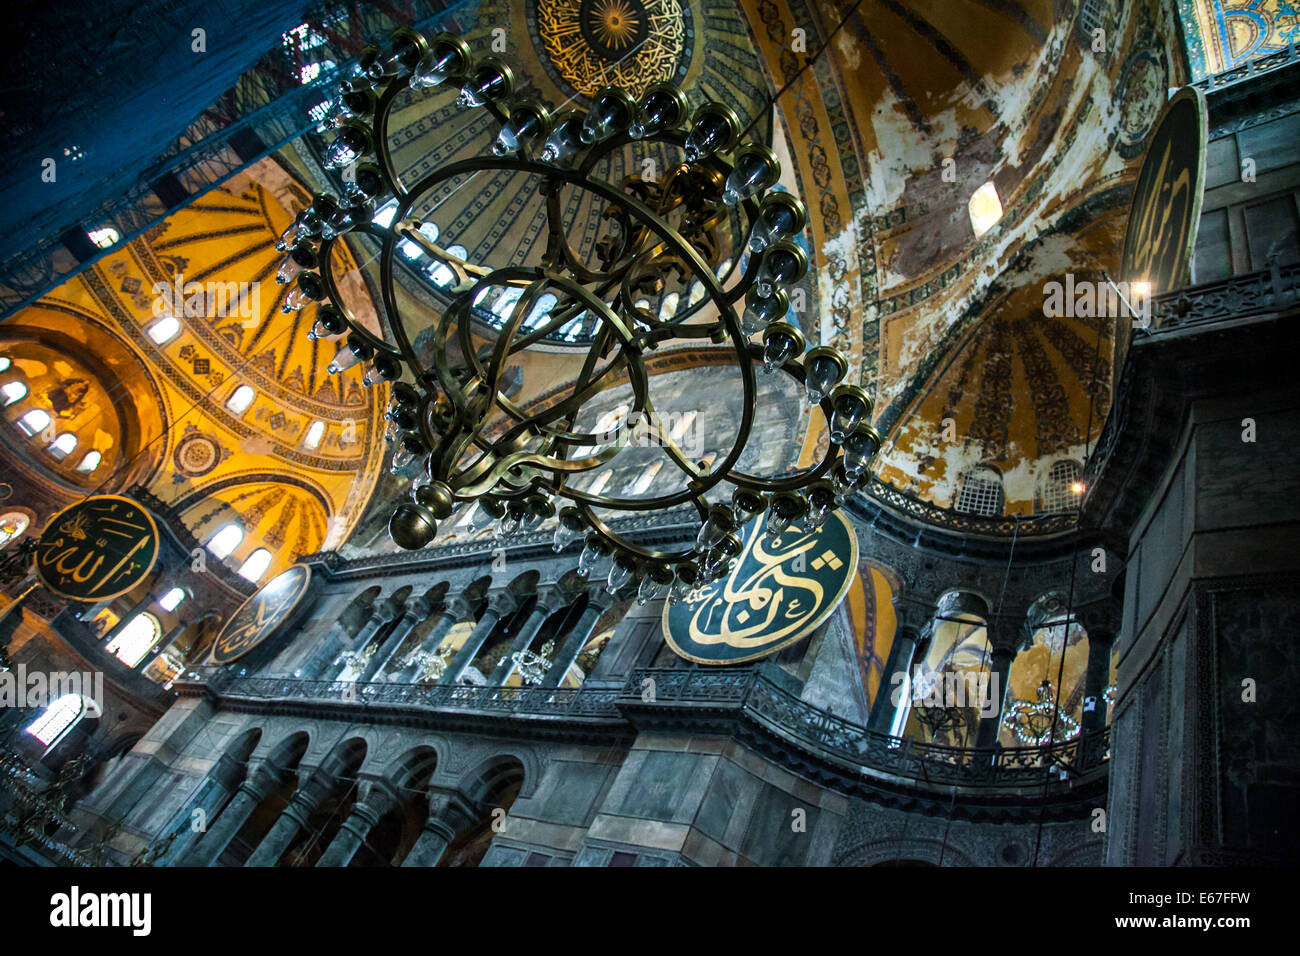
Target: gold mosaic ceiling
[293,489]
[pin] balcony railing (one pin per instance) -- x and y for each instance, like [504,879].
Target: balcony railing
[1254,293]
[749,694]
[865,750]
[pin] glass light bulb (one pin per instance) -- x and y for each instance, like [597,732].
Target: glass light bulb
[775,221]
[777,351]
[434,68]
[648,590]
[563,537]
[288,271]
[858,450]
[344,359]
[819,377]
[608,114]
[846,417]
[563,143]
[705,137]
[340,153]
[619,577]
[589,558]
[751,173]
[760,312]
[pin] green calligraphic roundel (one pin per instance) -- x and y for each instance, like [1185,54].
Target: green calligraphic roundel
[775,595]
[97,549]
[261,614]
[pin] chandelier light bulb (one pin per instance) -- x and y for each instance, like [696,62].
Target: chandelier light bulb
[352,352]
[823,367]
[850,406]
[564,142]
[781,342]
[590,556]
[328,324]
[685,579]
[350,143]
[846,485]
[493,80]
[621,573]
[663,107]
[299,258]
[568,529]
[780,216]
[719,523]
[756,169]
[714,129]
[307,289]
[760,312]
[447,59]
[821,502]
[610,113]
[528,120]
[784,263]
[859,448]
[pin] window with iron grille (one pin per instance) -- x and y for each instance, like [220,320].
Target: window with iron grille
[981,493]
[1092,17]
[1061,487]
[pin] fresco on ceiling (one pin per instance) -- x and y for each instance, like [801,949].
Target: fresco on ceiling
[1222,34]
[292,488]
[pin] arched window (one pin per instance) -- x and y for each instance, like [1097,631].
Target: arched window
[541,309]
[506,302]
[34,422]
[13,391]
[89,462]
[134,641]
[241,399]
[429,230]
[12,525]
[698,292]
[57,719]
[1063,486]
[164,329]
[410,249]
[314,434]
[981,493]
[105,238]
[668,308]
[4,363]
[255,565]
[170,600]
[63,446]
[646,478]
[441,274]
[226,540]
[458,252]
[600,481]
[384,214]
[985,208]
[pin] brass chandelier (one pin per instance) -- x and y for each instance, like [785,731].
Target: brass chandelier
[451,420]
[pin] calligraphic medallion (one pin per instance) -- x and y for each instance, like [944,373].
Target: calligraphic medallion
[97,549]
[261,614]
[632,44]
[1167,199]
[775,595]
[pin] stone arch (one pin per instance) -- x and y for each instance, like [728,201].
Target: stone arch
[918,849]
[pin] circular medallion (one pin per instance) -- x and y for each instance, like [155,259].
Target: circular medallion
[591,44]
[196,455]
[261,614]
[775,595]
[1167,199]
[97,549]
[1141,94]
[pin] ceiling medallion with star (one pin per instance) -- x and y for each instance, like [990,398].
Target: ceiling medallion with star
[593,44]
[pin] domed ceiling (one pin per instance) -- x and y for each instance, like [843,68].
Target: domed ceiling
[913,107]
[250,426]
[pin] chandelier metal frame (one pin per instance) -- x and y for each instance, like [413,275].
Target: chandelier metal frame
[451,418]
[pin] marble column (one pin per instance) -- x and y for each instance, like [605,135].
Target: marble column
[894,682]
[221,782]
[259,785]
[597,604]
[504,603]
[458,612]
[536,618]
[1006,635]
[376,800]
[325,653]
[1096,678]
[416,613]
[306,800]
[449,813]
[385,612]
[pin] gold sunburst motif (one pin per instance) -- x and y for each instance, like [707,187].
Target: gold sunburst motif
[631,44]
[615,22]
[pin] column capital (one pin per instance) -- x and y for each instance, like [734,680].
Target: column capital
[506,603]
[449,812]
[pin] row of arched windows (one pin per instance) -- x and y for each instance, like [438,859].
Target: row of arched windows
[981,491]
[37,423]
